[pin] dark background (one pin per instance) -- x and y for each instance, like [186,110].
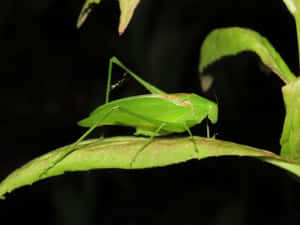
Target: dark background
[53,75]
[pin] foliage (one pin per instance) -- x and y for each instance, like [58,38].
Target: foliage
[117,152]
[127,8]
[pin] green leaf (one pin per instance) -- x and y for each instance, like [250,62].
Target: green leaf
[85,11]
[127,8]
[118,152]
[234,40]
[294,8]
[290,138]
[291,5]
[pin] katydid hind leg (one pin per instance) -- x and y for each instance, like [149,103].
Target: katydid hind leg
[146,144]
[108,81]
[72,147]
[152,89]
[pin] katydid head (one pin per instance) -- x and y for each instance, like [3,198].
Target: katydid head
[204,107]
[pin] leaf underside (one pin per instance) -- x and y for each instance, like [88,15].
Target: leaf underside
[118,152]
[231,41]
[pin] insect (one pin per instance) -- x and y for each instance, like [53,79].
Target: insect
[152,115]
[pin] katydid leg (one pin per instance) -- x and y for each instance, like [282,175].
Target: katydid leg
[72,147]
[207,129]
[149,87]
[147,143]
[191,135]
[108,81]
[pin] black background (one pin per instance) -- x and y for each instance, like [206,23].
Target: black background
[53,75]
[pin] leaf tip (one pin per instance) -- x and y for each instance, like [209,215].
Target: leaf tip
[291,6]
[121,31]
[127,9]
[83,16]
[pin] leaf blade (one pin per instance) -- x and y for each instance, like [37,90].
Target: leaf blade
[231,41]
[85,11]
[127,8]
[118,152]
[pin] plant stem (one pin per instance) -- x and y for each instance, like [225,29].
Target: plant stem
[296,15]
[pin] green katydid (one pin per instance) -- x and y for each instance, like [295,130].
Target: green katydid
[154,114]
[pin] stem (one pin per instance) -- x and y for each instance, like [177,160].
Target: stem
[297,19]
[296,15]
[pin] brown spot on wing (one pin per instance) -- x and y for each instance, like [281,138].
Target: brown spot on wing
[175,98]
